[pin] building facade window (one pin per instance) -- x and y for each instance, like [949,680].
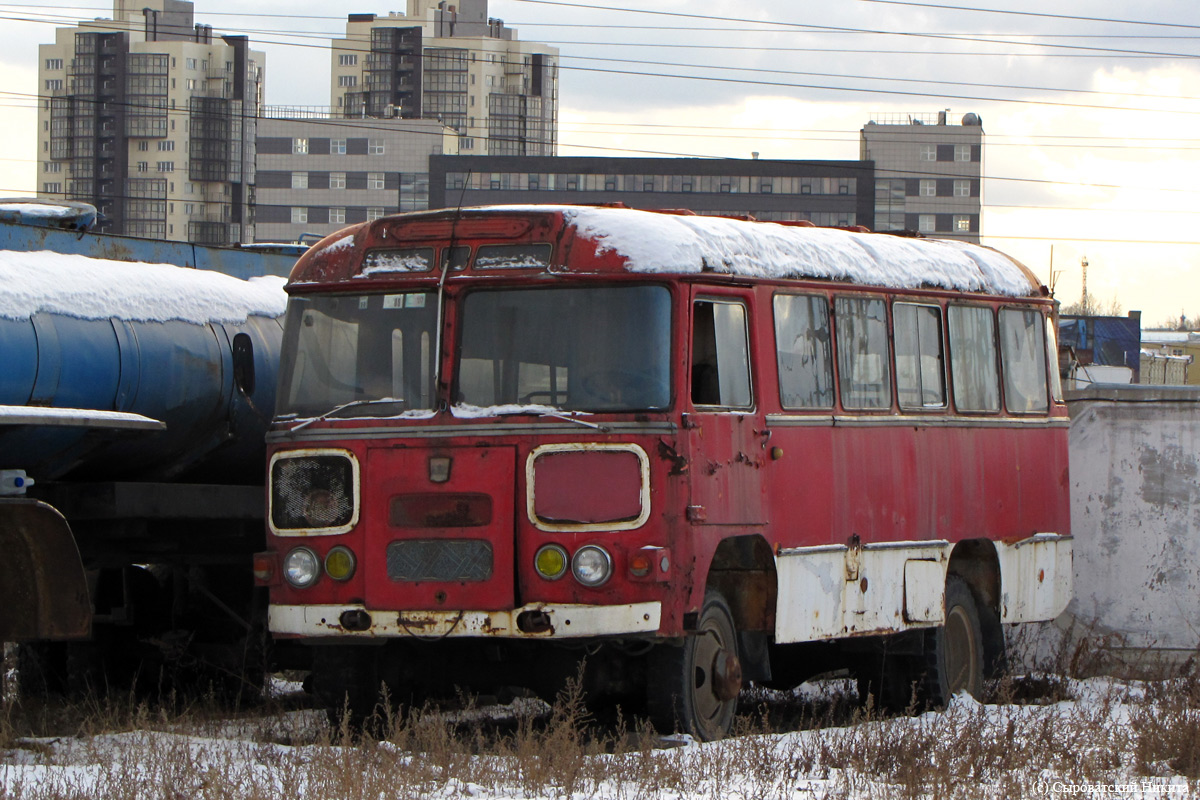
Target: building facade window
[347,81]
[299,214]
[374,213]
[337,216]
[299,180]
[54,84]
[143,166]
[928,187]
[347,60]
[962,188]
[337,180]
[927,223]
[375,180]
[54,63]
[337,147]
[52,188]
[166,145]
[375,147]
[962,152]
[300,146]
[166,166]
[962,223]
[929,152]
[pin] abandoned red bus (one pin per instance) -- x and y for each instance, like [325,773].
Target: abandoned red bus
[688,452]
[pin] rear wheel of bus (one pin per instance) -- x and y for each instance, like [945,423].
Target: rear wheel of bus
[955,657]
[694,687]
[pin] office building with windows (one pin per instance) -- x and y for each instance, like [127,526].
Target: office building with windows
[928,173]
[151,118]
[838,193]
[318,175]
[453,63]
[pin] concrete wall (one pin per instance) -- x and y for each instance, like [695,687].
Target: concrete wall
[1135,514]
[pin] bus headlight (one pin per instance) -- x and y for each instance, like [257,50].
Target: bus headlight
[591,565]
[340,563]
[551,562]
[301,567]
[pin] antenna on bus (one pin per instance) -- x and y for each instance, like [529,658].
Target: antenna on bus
[441,298]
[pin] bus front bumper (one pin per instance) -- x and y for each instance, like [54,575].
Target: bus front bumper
[534,621]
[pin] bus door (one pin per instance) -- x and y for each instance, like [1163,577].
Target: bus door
[725,436]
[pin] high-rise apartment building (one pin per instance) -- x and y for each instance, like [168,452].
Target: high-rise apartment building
[928,173]
[152,119]
[450,62]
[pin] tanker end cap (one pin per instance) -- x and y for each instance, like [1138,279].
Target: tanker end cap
[333,258]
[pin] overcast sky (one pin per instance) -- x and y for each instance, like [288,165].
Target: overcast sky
[1091,145]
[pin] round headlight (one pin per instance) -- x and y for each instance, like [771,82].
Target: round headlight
[301,567]
[551,562]
[339,563]
[592,565]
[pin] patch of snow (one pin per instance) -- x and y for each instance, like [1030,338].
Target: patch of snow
[467,411]
[657,243]
[39,210]
[31,415]
[341,244]
[94,288]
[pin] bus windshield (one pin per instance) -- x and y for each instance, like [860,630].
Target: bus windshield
[369,353]
[575,349]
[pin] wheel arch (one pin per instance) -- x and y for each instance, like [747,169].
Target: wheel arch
[743,571]
[978,564]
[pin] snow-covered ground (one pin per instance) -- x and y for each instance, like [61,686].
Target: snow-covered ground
[1109,739]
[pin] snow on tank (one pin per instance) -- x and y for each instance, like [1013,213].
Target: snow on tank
[95,288]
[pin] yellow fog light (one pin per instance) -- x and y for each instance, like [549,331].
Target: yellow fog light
[339,564]
[551,562]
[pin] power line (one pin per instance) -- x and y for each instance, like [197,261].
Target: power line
[844,29]
[977,10]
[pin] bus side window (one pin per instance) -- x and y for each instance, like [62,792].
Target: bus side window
[720,355]
[920,363]
[1023,353]
[863,358]
[804,351]
[973,358]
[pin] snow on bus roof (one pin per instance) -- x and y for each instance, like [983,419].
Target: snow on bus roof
[656,242]
[95,288]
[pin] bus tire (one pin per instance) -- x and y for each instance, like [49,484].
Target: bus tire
[955,659]
[694,687]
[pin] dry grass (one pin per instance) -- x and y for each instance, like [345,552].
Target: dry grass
[1048,727]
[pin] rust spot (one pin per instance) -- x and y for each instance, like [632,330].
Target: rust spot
[679,465]
[862,585]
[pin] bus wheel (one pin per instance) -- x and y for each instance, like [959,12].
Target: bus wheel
[956,658]
[694,687]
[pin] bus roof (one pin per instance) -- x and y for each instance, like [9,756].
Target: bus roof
[655,242]
[681,243]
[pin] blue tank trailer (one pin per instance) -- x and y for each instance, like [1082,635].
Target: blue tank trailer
[131,471]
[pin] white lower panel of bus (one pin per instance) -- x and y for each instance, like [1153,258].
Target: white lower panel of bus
[833,591]
[558,622]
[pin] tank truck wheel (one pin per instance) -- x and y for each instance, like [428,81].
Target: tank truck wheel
[694,687]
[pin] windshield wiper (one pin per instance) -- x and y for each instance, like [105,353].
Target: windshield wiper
[585,423]
[343,407]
